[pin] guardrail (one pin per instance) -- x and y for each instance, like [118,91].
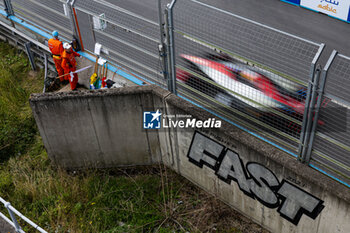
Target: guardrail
[12,211]
[157,51]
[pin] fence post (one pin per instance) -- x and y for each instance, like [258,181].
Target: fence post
[68,6]
[8,8]
[75,24]
[171,44]
[310,112]
[13,217]
[163,50]
[306,113]
[46,67]
[318,105]
[307,101]
[167,38]
[30,55]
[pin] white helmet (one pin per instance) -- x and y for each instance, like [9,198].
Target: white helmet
[67,46]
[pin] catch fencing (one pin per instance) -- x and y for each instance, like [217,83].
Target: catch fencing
[129,39]
[261,79]
[329,146]
[47,14]
[253,49]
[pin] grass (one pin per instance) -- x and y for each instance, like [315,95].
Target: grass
[17,127]
[147,199]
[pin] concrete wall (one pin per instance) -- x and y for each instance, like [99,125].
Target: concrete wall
[97,128]
[104,129]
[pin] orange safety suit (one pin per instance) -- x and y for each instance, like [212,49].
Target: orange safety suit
[69,64]
[56,49]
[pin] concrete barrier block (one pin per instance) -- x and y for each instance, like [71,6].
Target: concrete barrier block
[336,215]
[119,130]
[150,102]
[66,136]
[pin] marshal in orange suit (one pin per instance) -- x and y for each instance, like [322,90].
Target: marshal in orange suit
[69,64]
[56,48]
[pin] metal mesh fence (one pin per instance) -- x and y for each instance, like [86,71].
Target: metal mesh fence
[331,148]
[263,45]
[87,35]
[250,73]
[120,16]
[243,71]
[130,39]
[47,14]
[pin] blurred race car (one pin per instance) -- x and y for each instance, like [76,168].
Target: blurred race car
[244,87]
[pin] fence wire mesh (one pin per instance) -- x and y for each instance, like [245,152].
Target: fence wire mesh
[131,39]
[47,14]
[331,149]
[248,72]
[85,25]
[263,45]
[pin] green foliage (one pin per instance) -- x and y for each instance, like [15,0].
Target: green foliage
[17,126]
[93,201]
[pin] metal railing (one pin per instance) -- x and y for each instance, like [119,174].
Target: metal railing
[34,48]
[178,43]
[13,222]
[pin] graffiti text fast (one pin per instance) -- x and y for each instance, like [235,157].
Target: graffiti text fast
[254,180]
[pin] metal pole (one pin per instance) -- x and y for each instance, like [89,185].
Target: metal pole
[172,46]
[162,50]
[13,217]
[12,211]
[318,105]
[8,8]
[36,227]
[306,114]
[71,18]
[75,24]
[307,101]
[169,75]
[160,19]
[310,113]
[5,5]
[45,77]
[7,220]
[30,55]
